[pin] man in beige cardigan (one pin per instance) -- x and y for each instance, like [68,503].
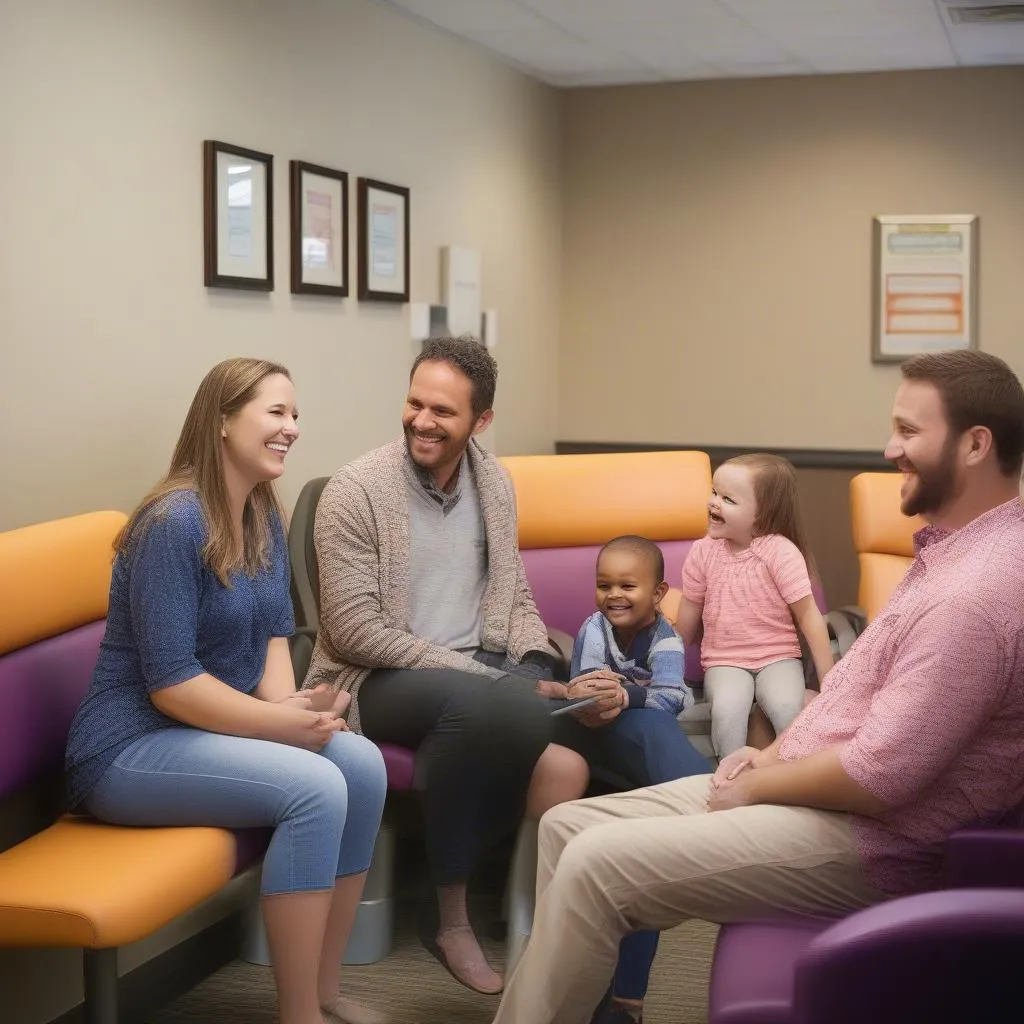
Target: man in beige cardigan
[427,619]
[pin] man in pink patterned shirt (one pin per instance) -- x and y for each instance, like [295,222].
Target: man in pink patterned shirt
[917,732]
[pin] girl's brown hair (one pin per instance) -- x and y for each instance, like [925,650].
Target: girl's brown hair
[197,465]
[775,491]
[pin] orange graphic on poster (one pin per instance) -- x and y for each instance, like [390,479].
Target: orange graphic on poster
[924,303]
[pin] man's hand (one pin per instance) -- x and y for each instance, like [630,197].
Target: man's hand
[731,765]
[730,793]
[602,683]
[593,717]
[549,688]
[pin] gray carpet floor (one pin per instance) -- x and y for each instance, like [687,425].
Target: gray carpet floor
[414,989]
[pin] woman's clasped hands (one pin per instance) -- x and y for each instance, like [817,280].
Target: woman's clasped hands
[317,715]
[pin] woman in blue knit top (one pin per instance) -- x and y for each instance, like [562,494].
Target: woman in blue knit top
[193,717]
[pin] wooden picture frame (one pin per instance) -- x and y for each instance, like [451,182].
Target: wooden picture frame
[383,241]
[238,217]
[924,291]
[319,229]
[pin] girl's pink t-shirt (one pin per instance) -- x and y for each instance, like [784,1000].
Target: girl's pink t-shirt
[746,597]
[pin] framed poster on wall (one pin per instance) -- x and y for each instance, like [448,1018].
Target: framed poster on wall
[383,241]
[238,218]
[925,285]
[319,229]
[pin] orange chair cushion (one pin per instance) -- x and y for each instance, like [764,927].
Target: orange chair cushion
[880,575]
[83,884]
[577,500]
[882,535]
[57,575]
[878,523]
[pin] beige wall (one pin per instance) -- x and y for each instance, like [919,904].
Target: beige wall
[717,248]
[105,325]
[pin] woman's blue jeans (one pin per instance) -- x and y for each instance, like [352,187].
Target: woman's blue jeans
[325,808]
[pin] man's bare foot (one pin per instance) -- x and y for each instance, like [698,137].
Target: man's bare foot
[465,960]
[342,1010]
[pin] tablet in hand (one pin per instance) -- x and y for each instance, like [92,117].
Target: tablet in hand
[570,704]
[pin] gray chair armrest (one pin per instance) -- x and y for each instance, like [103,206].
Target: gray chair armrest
[843,628]
[561,646]
[301,644]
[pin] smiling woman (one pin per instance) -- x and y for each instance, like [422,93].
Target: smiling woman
[192,717]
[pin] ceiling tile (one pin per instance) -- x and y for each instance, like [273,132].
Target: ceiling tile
[458,15]
[612,12]
[617,41]
[584,79]
[983,42]
[550,52]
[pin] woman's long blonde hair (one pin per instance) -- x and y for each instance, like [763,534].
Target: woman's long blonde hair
[197,465]
[778,508]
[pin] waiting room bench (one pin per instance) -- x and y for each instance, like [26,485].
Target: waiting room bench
[78,883]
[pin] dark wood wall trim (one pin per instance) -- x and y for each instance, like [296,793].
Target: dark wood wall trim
[802,458]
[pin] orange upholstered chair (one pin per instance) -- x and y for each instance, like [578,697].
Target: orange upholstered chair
[75,882]
[882,535]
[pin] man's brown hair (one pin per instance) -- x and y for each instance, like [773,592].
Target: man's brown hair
[977,390]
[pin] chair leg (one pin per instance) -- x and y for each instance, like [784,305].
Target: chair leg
[521,894]
[99,969]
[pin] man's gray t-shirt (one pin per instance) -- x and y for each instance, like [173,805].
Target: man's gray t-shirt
[447,560]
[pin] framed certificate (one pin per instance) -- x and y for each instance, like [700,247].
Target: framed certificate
[319,229]
[238,221]
[925,285]
[383,241]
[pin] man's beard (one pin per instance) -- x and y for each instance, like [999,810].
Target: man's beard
[935,486]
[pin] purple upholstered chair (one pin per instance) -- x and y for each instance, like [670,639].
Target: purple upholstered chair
[947,955]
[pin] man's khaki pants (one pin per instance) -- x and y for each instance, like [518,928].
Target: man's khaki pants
[655,857]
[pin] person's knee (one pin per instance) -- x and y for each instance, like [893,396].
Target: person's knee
[560,775]
[581,866]
[361,762]
[647,725]
[318,790]
[521,710]
[558,826]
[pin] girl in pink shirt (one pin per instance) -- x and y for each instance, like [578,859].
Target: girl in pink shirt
[748,584]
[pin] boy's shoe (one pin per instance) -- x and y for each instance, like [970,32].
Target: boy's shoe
[606,1013]
[615,1015]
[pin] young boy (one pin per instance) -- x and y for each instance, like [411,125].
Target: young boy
[628,634]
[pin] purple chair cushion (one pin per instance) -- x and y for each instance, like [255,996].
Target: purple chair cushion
[400,762]
[250,845]
[753,969]
[562,581]
[942,956]
[40,689]
[986,858]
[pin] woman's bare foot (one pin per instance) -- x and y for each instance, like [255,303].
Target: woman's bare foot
[462,955]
